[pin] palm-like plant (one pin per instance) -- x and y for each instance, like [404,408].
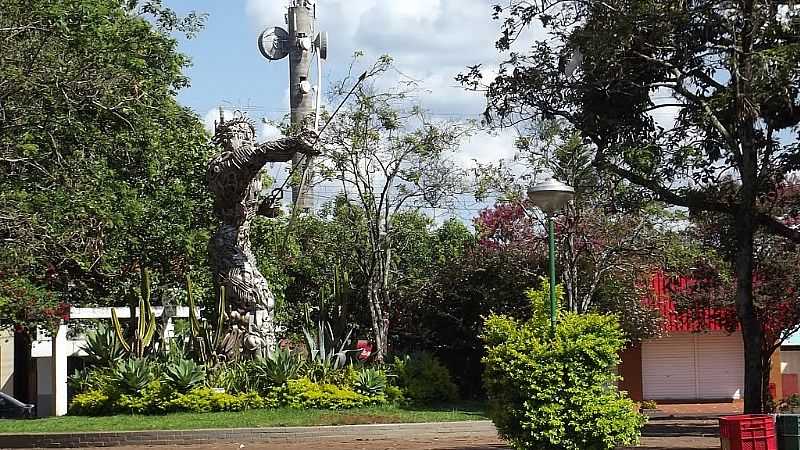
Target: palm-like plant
[183,375]
[103,347]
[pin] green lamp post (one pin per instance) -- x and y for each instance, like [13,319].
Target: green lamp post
[550,196]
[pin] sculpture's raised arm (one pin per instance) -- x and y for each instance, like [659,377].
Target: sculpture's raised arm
[243,158]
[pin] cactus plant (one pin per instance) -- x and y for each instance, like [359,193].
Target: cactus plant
[205,342]
[145,329]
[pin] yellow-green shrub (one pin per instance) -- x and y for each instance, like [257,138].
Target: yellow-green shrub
[90,403]
[209,400]
[153,399]
[304,393]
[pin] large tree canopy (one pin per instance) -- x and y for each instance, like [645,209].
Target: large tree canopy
[103,172]
[728,70]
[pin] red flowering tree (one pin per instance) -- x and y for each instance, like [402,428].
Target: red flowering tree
[601,258]
[608,238]
[26,306]
[776,279]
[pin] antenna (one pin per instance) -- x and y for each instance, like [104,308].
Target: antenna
[298,43]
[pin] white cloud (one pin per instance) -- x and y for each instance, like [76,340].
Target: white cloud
[267,132]
[430,40]
[211,118]
[485,148]
[665,116]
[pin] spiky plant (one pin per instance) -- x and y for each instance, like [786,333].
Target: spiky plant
[103,347]
[204,341]
[183,375]
[277,369]
[324,348]
[133,375]
[370,382]
[145,328]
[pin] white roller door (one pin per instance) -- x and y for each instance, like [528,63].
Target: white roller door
[690,366]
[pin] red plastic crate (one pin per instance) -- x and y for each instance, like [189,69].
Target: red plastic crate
[748,432]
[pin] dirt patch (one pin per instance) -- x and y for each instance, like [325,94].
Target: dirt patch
[358,419]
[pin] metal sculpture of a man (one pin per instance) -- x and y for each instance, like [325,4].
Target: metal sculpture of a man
[234,178]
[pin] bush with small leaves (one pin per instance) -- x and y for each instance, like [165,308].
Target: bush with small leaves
[91,403]
[424,379]
[305,394]
[153,399]
[558,392]
[210,400]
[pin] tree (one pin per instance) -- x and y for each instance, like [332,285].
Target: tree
[776,284]
[608,238]
[729,70]
[490,275]
[103,172]
[387,155]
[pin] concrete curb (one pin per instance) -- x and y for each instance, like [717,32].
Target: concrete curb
[471,429]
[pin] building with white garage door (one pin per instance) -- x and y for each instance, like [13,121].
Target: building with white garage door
[696,360]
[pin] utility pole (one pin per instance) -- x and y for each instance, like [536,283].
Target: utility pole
[298,43]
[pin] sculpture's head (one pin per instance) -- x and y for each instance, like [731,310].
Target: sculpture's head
[234,132]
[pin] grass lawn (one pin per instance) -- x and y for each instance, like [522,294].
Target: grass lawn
[248,419]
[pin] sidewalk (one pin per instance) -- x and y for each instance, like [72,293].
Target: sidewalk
[663,434]
[697,410]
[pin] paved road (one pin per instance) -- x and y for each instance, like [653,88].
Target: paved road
[660,434]
[657,443]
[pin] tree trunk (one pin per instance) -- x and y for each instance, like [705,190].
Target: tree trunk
[768,400]
[379,322]
[752,332]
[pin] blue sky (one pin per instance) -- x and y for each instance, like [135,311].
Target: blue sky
[430,40]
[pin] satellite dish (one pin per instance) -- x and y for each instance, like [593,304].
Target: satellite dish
[321,43]
[273,43]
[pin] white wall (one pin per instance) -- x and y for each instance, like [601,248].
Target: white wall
[7,361]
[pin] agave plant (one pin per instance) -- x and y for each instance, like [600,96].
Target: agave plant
[183,375]
[103,347]
[275,370]
[88,378]
[133,375]
[324,348]
[370,382]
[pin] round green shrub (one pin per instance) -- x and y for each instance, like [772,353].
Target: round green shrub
[424,379]
[558,393]
[210,400]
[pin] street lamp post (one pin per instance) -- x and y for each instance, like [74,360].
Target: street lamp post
[550,196]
